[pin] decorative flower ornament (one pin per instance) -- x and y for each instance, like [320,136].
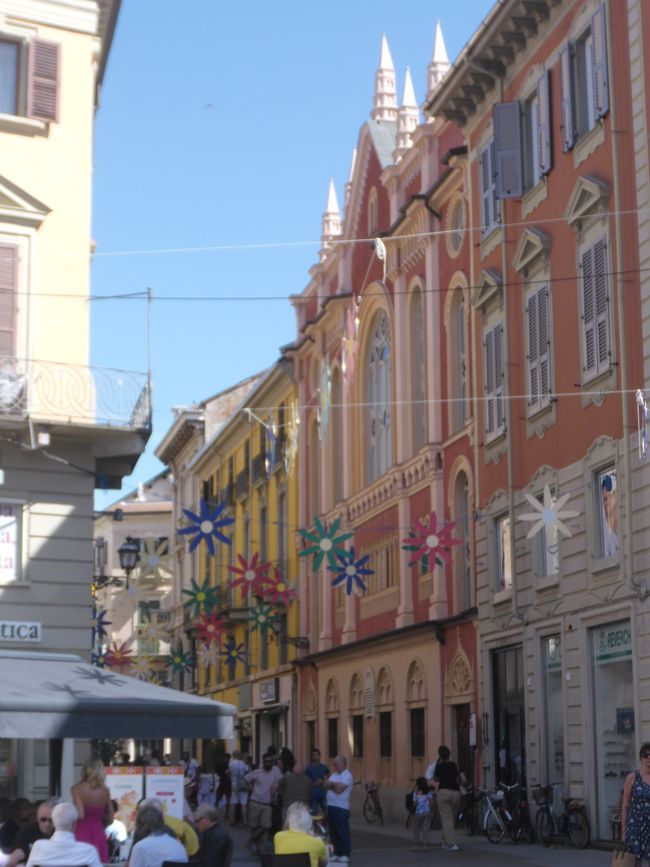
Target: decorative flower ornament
[233,652]
[261,617]
[642,421]
[201,597]
[207,654]
[206,525]
[324,399]
[153,631]
[209,628]
[252,573]
[291,442]
[99,659]
[99,623]
[154,560]
[426,539]
[351,571]
[548,514]
[142,667]
[325,543]
[179,661]
[118,656]
[279,591]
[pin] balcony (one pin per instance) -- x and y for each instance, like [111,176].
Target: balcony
[73,394]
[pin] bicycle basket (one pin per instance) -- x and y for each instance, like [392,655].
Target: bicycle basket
[541,795]
[498,795]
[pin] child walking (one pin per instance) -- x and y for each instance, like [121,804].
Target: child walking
[423,803]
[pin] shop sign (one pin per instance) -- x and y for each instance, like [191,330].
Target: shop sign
[20,630]
[614,642]
[269,691]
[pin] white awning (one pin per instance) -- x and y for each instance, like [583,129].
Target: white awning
[54,695]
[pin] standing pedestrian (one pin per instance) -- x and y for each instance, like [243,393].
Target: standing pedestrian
[339,788]
[317,773]
[264,786]
[448,797]
[635,811]
[422,804]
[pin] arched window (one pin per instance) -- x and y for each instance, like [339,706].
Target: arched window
[314,475]
[373,222]
[418,373]
[379,399]
[463,555]
[336,437]
[458,361]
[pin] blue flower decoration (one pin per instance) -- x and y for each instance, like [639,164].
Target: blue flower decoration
[234,653]
[206,525]
[99,660]
[350,570]
[99,623]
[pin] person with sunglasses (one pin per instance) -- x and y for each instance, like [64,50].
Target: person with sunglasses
[41,829]
[635,812]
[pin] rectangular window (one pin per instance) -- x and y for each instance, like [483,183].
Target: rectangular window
[607,513]
[495,419]
[596,341]
[357,736]
[552,656]
[8,77]
[490,214]
[332,737]
[11,515]
[539,349]
[417,732]
[502,551]
[385,734]
[548,555]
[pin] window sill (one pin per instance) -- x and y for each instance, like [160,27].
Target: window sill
[534,197]
[491,241]
[502,596]
[595,389]
[601,565]
[23,125]
[546,582]
[586,145]
[538,421]
[495,448]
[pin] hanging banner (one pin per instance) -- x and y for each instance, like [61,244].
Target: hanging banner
[126,786]
[167,784]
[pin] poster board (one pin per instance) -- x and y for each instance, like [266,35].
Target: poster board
[168,784]
[126,786]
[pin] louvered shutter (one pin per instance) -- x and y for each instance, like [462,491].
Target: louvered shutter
[486,190]
[588,313]
[566,89]
[601,305]
[544,124]
[599,63]
[498,377]
[544,345]
[490,409]
[533,350]
[43,80]
[8,290]
[507,139]
[496,213]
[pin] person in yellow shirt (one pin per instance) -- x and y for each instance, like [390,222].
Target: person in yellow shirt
[298,836]
[183,831]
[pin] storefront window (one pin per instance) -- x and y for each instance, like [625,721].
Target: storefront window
[554,708]
[615,719]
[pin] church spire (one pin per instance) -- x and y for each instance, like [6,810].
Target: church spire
[331,221]
[408,118]
[439,62]
[385,101]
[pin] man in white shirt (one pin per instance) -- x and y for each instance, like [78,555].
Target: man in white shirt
[338,787]
[155,845]
[62,848]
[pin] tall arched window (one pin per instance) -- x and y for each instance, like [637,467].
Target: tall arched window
[379,399]
[458,361]
[336,437]
[314,476]
[463,556]
[373,221]
[418,373]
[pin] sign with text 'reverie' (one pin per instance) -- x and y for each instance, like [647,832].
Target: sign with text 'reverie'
[20,630]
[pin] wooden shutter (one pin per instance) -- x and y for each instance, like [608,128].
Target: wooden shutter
[496,213]
[601,305]
[490,409]
[498,377]
[544,124]
[486,191]
[599,63]
[544,344]
[533,350]
[566,89]
[43,80]
[588,313]
[507,138]
[8,291]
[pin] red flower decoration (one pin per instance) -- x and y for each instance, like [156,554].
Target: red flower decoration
[426,539]
[253,574]
[118,656]
[209,628]
[278,590]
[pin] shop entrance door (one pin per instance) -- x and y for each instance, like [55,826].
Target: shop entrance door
[509,715]
[463,751]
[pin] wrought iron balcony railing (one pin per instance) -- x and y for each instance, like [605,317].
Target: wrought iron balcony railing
[57,392]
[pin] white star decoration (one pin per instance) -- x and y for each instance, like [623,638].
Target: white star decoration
[207,654]
[154,560]
[548,514]
[141,667]
[153,631]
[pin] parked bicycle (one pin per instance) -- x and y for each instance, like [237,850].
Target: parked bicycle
[497,818]
[572,822]
[467,816]
[372,810]
[517,801]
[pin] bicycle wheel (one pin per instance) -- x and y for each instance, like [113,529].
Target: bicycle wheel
[471,820]
[578,829]
[494,829]
[526,830]
[370,813]
[544,826]
[511,823]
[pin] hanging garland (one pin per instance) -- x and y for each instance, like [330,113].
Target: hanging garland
[324,543]
[548,514]
[426,539]
[351,572]
[206,526]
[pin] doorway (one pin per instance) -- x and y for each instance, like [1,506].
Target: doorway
[509,715]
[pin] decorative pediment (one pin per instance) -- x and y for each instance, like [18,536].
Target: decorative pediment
[18,207]
[378,138]
[532,244]
[588,199]
[489,289]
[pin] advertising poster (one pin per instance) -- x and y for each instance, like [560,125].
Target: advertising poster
[168,784]
[126,787]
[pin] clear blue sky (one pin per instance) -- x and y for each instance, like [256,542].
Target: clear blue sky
[221,124]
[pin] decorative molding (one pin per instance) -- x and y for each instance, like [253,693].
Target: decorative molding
[17,206]
[532,245]
[459,680]
[589,198]
[488,291]
[589,142]
[534,197]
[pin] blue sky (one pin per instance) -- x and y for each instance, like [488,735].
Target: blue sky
[221,124]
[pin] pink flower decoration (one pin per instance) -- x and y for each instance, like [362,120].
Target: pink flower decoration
[428,540]
[209,628]
[253,574]
[119,656]
[278,590]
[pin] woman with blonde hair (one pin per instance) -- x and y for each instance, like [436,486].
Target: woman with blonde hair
[93,802]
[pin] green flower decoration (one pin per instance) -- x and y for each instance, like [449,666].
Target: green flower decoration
[325,543]
[180,661]
[201,597]
[262,617]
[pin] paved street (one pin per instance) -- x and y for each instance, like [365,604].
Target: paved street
[381,847]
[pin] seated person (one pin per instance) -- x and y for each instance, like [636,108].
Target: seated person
[20,817]
[62,848]
[41,829]
[298,836]
[154,844]
[179,828]
[216,842]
